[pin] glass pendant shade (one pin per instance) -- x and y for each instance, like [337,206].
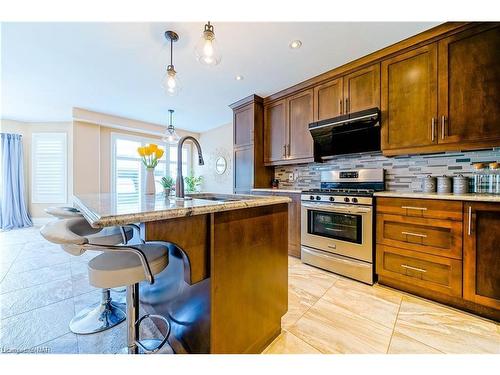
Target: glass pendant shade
[207,51]
[171,82]
[171,137]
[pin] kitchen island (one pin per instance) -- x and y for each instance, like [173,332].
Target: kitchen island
[225,288]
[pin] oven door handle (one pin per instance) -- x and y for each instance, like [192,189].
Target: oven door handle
[337,208]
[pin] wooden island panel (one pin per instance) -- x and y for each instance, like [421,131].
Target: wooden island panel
[192,235]
[249,278]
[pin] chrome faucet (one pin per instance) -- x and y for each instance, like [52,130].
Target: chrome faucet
[179,184]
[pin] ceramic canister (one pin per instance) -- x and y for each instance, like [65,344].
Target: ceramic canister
[429,184]
[443,184]
[460,184]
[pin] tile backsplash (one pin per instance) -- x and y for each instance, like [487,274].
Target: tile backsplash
[402,173]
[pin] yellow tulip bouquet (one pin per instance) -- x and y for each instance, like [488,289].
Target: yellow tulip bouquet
[150,154]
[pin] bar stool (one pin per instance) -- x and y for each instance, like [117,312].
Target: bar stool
[107,313]
[116,266]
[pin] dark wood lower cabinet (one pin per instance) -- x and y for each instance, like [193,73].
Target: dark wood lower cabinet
[293,219]
[482,254]
[450,260]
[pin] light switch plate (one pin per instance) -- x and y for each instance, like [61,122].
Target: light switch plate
[290,177]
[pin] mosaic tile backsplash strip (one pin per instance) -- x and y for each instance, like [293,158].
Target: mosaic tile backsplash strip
[402,173]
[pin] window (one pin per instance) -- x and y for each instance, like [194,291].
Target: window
[49,163]
[128,170]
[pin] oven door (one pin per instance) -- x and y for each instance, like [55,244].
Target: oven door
[339,229]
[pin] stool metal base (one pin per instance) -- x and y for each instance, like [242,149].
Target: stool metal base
[98,317]
[149,344]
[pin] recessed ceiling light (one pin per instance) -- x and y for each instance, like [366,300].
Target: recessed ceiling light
[295,44]
[238,78]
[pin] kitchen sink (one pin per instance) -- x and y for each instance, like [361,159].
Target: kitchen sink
[217,197]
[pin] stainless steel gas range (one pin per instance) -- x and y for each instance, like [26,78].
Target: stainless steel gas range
[337,223]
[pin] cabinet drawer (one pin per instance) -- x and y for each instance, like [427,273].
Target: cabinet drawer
[426,208]
[443,275]
[431,236]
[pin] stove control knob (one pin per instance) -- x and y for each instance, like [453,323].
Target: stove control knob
[311,197]
[354,200]
[318,198]
[332,199]
[346,200]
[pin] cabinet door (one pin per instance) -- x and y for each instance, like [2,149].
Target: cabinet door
[409,99]
[300,115]
[362,89]
[469,86]
[243,126]
[328,100]
[275,132]
[243,169]
[482,253]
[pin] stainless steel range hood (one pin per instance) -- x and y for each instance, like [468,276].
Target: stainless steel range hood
[347,134]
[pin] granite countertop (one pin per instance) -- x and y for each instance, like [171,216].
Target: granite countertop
[271,190]
[103,210]
[457,197]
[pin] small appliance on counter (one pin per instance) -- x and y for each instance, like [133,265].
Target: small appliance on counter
[275,183]
[337,223]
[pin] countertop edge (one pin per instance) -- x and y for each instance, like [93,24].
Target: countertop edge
[271,190]
[97,221]
[470,197]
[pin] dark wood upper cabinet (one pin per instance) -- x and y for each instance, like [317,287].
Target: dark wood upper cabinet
[328,100]
[275,131]
[481,282]
[469,87]
[362,89]
[243,126]
[300,115]
[409,99]
[248,148]
[286,130]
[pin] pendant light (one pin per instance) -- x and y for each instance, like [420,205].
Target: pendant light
[170,81]
[207,52]
[171,137]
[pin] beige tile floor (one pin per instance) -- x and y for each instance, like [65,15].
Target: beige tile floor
[331,314]
[42,287]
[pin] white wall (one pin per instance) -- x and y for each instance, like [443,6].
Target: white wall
[214,143]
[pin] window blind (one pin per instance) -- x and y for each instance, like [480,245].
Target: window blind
[49,168]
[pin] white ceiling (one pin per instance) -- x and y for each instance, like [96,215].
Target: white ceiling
[116,68]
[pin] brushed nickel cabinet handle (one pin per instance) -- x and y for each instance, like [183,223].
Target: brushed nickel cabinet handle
[414,208]
[415,234]
[433,126]
[469,224]
[284,151]
[347,105]
[340,106]
[288,148]
[443,127]
[413,268]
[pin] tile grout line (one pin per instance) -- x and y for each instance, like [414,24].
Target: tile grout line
[394,325]
[50,304]
[308,343]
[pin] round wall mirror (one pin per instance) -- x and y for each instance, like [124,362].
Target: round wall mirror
[220,165]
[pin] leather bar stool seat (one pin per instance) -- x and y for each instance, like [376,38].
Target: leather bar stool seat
[107,313]
[116,266]
[113,269]
[63,212]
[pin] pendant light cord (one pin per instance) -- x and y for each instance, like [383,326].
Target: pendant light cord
[171,52]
